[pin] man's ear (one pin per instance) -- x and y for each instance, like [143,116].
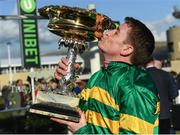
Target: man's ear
[126,50]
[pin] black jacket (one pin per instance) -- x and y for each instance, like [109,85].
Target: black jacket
[167,88]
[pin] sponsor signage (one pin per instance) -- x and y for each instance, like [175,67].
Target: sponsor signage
[29,34]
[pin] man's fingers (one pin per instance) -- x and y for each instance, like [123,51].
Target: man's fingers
[81,113]
[62,66]
[61,72]
[76,66]
[64,61]
[57,76]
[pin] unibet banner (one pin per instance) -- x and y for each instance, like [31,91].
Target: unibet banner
[29,34]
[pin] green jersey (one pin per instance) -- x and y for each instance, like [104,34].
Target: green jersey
[120,99]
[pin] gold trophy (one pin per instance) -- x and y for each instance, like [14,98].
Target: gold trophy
[75,27]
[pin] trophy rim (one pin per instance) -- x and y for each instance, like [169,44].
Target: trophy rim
[43,11]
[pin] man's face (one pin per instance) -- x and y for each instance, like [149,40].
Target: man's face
[112,41]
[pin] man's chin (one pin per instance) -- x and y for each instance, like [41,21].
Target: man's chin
[100,48]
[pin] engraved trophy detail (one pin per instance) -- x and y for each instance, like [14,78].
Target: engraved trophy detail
[75,27]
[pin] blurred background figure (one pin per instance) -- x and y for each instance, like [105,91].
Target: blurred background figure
[44,86]
[168,91]
[27,94]
[81,84]
[157,64]
[5,96]
[37,87]
[53,85]
[178,80]
[21,92]
[174,74]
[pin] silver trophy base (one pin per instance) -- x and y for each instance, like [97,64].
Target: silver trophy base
[55,105]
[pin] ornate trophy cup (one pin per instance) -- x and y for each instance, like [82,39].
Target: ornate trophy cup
[75,27]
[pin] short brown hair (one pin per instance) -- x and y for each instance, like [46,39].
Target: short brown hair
[142,40]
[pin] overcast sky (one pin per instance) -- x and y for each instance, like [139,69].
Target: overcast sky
[156,14]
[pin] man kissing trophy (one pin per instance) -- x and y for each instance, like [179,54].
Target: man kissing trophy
[75,27]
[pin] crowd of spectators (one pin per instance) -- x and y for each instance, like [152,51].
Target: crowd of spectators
[19,94]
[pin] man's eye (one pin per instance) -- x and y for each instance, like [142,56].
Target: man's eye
[116,32]
[105,31]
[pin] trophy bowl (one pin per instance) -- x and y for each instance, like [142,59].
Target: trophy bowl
[75,22]
[75,27]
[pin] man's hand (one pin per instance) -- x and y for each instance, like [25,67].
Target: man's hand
[62,68]
[72,126]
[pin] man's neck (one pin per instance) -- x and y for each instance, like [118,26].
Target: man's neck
[108,60]
[106,63]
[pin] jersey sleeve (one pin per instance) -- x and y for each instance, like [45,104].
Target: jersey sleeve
[139,110]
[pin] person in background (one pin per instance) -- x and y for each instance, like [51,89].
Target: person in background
[37,88]
[157,64]
[174,74]
[53,85]
[81,84]
[5,96]
[120,98]
[178,80]
[21,92]
[168,90]
[43,83]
